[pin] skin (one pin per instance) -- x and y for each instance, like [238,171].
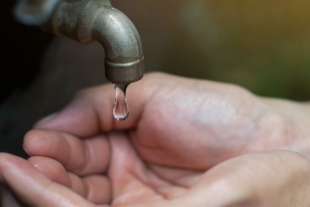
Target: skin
[185,143]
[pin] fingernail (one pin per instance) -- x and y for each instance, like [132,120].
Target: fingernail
[26,150]
[46,119]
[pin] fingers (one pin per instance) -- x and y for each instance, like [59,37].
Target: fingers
[90,111]
[52,169]
[33,188]
[81,157]
[95,188]
[128,174]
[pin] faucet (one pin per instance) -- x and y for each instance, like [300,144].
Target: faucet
[87,21]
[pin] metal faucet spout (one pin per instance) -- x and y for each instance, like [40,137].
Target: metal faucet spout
[87,21]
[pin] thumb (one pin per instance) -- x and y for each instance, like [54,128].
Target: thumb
[33,188]
[90,110]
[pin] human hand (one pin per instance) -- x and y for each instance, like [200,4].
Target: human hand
[275,178]
[174,123]
[173,120]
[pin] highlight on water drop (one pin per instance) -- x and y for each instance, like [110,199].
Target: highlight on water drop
[121,109]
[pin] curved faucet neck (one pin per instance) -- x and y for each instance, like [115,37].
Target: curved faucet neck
[96,20]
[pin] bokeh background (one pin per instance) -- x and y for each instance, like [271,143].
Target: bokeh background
[262,45]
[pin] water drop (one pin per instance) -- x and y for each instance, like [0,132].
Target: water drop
[120,110]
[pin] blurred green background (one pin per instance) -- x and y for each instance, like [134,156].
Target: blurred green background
[263,45]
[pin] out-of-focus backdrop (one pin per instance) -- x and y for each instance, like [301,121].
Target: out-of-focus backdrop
[261,45]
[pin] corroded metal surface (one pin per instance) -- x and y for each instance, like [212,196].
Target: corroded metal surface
[87,21]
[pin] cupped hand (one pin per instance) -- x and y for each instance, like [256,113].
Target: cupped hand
[174,121]
[177,130]
[274,178]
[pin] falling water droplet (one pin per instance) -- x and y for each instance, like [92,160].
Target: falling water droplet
[120,110]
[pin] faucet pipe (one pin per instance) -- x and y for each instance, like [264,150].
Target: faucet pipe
[87,21]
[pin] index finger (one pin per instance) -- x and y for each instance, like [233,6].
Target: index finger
[33,188]
[79,156]
[90,111]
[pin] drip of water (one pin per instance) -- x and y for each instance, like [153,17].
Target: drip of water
[120,110]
